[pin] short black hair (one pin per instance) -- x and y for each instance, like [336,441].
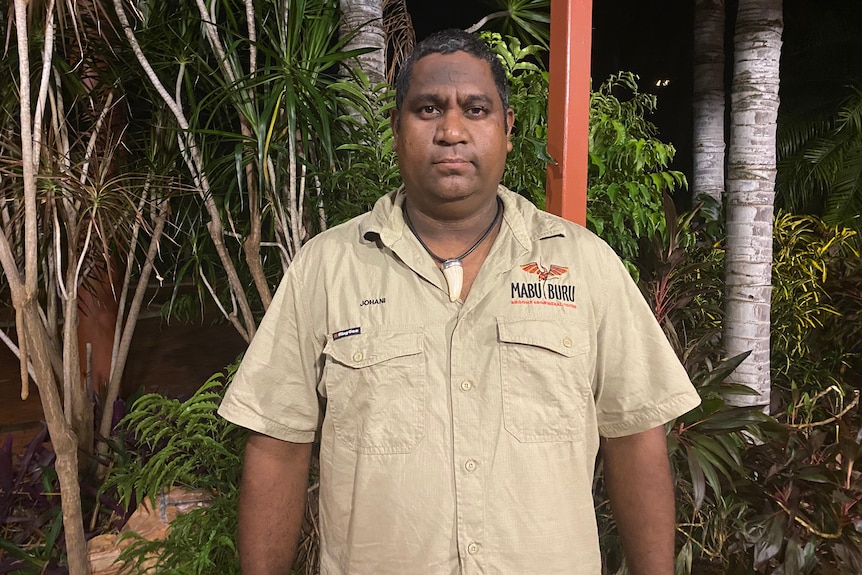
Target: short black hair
[448,42]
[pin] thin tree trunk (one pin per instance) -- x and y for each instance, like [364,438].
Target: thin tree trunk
[708,100]
[125,340]
[32,335]
[63,439]
[751,192]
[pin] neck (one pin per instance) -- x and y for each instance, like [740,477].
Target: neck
[447,227]
[449,240]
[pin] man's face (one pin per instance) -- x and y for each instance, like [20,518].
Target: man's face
[452,132]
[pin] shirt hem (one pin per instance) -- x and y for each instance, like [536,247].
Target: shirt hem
[260,424]
[643,421]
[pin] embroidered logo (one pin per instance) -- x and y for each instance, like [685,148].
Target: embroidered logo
[346,332]
[374,301]
[543,292]
[550,272]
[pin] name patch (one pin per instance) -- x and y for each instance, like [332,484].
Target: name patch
[347,332]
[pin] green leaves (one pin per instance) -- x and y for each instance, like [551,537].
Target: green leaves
[522,20]
[184,443]
[190,445]
[820,163]
[805,248]
[627,167]
[525,171]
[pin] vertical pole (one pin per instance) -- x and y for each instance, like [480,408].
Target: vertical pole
[568,108]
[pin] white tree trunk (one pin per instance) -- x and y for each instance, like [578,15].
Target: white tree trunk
[708,100]
[751,191]
[364,19]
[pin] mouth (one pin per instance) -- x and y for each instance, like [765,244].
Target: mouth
[452,162]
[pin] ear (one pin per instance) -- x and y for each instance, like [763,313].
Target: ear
[510,122]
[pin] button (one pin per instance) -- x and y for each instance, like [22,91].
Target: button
[357,356]
[473,548]
[466,385]
[567,342]
[470,465]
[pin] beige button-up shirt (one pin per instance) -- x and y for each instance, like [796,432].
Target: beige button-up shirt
[457,437]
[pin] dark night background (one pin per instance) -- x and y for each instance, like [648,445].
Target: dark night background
[822,51]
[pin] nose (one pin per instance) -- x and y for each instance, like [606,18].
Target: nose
[451,129]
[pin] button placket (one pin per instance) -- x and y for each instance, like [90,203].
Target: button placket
[466,424]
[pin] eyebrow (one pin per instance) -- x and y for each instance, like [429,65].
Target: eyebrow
[469,100]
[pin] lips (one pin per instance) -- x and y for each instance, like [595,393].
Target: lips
[452,161]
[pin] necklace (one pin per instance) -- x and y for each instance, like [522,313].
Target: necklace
[453,272]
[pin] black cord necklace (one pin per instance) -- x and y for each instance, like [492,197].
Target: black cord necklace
[452,269]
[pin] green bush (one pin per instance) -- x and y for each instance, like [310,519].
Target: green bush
[183,443]
[805,359]
[628,167]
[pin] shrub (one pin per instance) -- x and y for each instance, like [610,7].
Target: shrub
[184,443]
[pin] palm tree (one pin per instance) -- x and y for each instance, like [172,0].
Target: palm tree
[362,22]
[708,100]
[751,193]
[820,164]
[820,121]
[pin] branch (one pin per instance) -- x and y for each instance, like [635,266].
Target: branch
[493,16]
[191,155]
[835,417]
[47,54]
[91,145]
[124,344]
[14,349]
[231,317]
[31,269]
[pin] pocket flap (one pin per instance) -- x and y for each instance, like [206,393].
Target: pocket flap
[565,339]
[369,348]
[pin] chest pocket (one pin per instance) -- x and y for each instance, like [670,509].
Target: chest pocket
[546,392]
[375,383]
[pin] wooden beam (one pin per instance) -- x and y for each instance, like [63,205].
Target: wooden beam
[568,108]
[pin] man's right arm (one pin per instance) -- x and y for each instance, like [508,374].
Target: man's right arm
[271,503]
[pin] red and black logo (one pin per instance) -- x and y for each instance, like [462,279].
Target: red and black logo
[543,291]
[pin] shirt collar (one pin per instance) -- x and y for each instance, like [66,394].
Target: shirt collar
[526,222]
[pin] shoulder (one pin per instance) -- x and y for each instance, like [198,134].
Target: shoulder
[333,243]
[541,226]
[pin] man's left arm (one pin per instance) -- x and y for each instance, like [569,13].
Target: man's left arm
[640,486]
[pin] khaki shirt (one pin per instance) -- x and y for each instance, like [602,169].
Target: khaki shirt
[457,437]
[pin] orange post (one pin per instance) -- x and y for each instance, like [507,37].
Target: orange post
[568,108]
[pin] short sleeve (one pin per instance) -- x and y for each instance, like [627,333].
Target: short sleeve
[274,391]
[640,382]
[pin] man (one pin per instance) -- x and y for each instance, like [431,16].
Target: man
[468,351]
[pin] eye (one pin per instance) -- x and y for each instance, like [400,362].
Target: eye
[428,110]
[476,111]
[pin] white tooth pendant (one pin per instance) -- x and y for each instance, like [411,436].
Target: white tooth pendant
[454,274]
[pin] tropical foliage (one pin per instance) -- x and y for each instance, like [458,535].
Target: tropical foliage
[247,141]
[183,443]
[757,494]
[819,121]
[820,170]
[628,166]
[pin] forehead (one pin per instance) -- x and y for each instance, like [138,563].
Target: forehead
[459,70]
